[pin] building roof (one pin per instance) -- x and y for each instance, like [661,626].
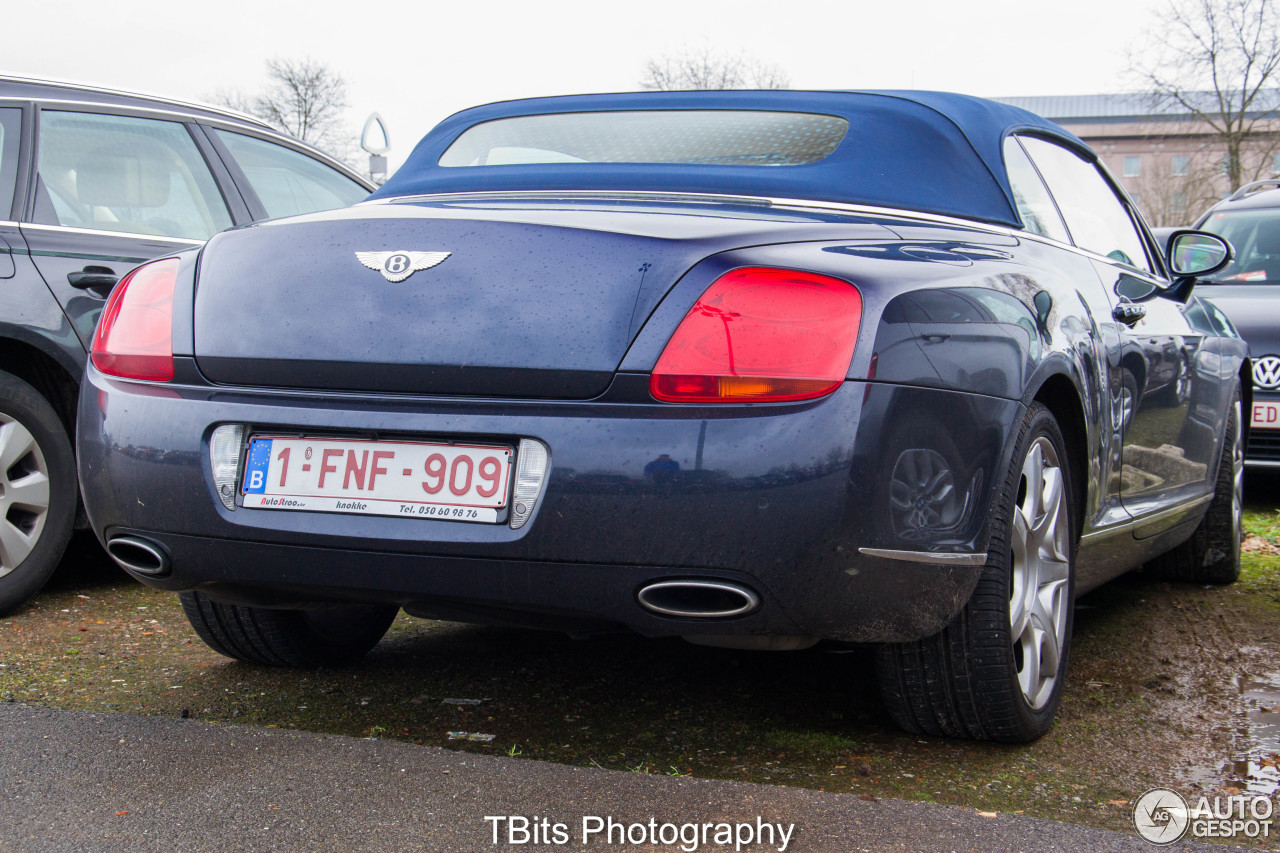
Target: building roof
[1129,107]
[927,151]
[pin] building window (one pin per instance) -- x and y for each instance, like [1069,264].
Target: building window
[1275,164]
[1132,166]
[1182,164]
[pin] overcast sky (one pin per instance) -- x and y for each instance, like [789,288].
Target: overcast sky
[417,62]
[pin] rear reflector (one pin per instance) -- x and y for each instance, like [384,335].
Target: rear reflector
[224,456]
[134,338]
[761,335]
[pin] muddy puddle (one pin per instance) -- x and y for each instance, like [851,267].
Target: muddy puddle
[1255,766]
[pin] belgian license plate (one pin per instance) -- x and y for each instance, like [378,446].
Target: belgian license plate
[1266,416]
[416,479]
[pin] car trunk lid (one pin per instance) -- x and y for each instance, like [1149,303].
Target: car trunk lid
[529,303]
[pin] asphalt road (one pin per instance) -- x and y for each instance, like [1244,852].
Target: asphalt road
[105,782]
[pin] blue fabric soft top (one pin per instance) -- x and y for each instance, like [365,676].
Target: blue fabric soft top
[928,151]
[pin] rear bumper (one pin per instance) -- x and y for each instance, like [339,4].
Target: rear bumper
[775,498]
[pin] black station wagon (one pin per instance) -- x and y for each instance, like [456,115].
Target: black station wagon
[93,183]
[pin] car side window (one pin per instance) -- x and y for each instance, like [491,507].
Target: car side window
[127,174]
[1096,217]
[10,132]
[289,183]
[1035,205]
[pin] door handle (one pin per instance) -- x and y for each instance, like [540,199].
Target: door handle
[1129,313]
[93,278]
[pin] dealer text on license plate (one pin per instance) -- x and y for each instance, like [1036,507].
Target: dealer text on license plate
[457,482]
[1266,416]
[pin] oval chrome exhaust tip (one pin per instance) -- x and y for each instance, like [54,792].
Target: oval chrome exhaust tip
[698,599]
[139,555]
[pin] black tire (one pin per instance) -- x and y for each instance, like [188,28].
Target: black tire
[1212,554]
[305,639]
[964,681]
[38,491]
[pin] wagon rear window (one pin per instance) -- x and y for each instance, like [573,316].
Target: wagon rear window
[675,137]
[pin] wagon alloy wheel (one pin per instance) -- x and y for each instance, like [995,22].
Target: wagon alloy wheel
[24,493]
[1037,598]
[1236,439]
[37,491]
[1212,554]
[996,671]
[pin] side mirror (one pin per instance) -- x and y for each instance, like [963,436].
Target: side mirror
[1197,253]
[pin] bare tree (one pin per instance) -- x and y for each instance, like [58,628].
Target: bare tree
[1219,60]
[303,98]
[1174,188]
[703,68]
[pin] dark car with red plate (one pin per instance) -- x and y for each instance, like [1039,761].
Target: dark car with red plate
[1248,291]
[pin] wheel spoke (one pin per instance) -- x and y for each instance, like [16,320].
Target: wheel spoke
[30,493]
[1029,675]
[1045,534]
[15,442]
[1033,472]
[1047,611]
[1021,568]
[14,547]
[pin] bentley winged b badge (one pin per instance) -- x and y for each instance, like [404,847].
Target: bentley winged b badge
[397,266]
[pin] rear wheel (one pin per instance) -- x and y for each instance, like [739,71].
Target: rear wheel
[331,636]
[1212,554]
[37,491]
[996,672]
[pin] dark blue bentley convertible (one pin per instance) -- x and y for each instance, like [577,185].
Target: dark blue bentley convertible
[756,369]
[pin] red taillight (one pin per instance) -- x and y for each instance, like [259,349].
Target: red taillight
[761,335]
[135,335]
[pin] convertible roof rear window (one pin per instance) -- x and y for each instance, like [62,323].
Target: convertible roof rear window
[684,137]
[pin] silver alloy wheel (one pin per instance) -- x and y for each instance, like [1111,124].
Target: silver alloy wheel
[1182,387]
[24,493]
[1038,597]
[1237,480]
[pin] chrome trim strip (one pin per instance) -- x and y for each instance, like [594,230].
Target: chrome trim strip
[62,229]
[219,118]
[1145,520]
[125,93]
[935,557]
[1260,463]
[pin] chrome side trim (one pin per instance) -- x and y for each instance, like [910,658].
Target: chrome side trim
[65,229]
[1146,520]
[935,557]
[124,93]
[218,117]
[1260,463]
